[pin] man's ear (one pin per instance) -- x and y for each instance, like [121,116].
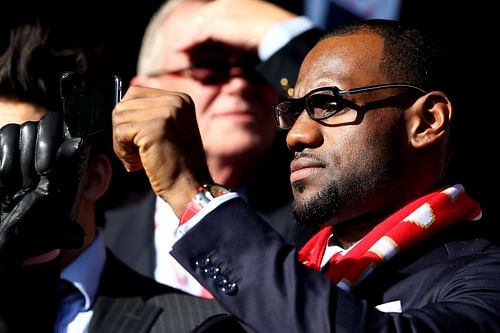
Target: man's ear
[430,118]
[98,177]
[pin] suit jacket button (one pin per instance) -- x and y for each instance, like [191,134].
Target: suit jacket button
[284,83]
[212,271]
[230,288]
[223,283]
[202,262]
[221,280]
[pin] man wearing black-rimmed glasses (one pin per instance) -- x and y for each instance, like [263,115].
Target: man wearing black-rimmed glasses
[329,105]
[399,248]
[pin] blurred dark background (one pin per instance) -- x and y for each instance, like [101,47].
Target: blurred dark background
[114,29]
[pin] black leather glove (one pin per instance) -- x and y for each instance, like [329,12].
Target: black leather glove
[41,169]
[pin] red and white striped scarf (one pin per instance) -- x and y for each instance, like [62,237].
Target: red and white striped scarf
[411,224]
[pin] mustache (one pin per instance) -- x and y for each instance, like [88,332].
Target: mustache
[316,158]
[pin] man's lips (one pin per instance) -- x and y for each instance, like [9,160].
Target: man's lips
[303,167]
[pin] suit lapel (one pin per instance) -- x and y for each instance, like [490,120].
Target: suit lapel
[133,244]
[121,300]
[130,314]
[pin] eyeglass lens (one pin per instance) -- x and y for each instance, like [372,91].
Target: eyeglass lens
[322,105]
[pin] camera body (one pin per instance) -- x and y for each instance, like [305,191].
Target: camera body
[88,100]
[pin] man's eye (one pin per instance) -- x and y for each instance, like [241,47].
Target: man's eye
[323,104]
[207,75]
[201,73]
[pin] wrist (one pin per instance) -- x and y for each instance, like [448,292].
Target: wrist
[206,193]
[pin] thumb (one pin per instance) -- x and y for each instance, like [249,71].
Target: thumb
[72,158]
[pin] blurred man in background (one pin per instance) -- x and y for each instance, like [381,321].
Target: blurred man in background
[244,150]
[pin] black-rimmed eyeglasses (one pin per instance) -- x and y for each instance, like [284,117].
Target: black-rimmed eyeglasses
[327,103]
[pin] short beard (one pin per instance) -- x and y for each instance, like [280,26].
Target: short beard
[352,189]
[319,209]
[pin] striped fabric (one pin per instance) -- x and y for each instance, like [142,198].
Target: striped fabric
[411,224]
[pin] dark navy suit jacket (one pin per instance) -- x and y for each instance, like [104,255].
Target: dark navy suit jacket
[449,283]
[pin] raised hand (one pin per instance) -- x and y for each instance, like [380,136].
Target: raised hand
[40,173]
[156,130]
[239,23]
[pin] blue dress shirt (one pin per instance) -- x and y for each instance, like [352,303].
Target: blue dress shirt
[75,310]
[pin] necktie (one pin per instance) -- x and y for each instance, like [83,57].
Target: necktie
[70,304]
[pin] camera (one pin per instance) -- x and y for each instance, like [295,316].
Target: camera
[88,100]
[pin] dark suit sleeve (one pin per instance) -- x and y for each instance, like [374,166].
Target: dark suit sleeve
[285,63]
[256,277]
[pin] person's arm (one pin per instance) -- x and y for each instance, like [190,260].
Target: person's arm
[39,177]
[157,131]
[242,24]
[279,37]
[258,279]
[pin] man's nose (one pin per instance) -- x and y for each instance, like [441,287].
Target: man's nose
[305,133]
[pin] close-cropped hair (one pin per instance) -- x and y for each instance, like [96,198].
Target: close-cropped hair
[418,58]
[410,55]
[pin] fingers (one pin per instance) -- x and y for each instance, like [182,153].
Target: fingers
[69,152]
[239,23]
[157,131]
[202,29]
[138,97]
[9,159]
[124,146]
[38,185]
[50,136]
[72,157]
[124,131]
[27,151]
[140,118]
[142,93]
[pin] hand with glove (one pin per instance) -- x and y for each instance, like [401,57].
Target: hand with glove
[41,169]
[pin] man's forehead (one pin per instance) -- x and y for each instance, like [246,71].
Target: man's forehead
[359,48]
[181,16]
[344,61]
